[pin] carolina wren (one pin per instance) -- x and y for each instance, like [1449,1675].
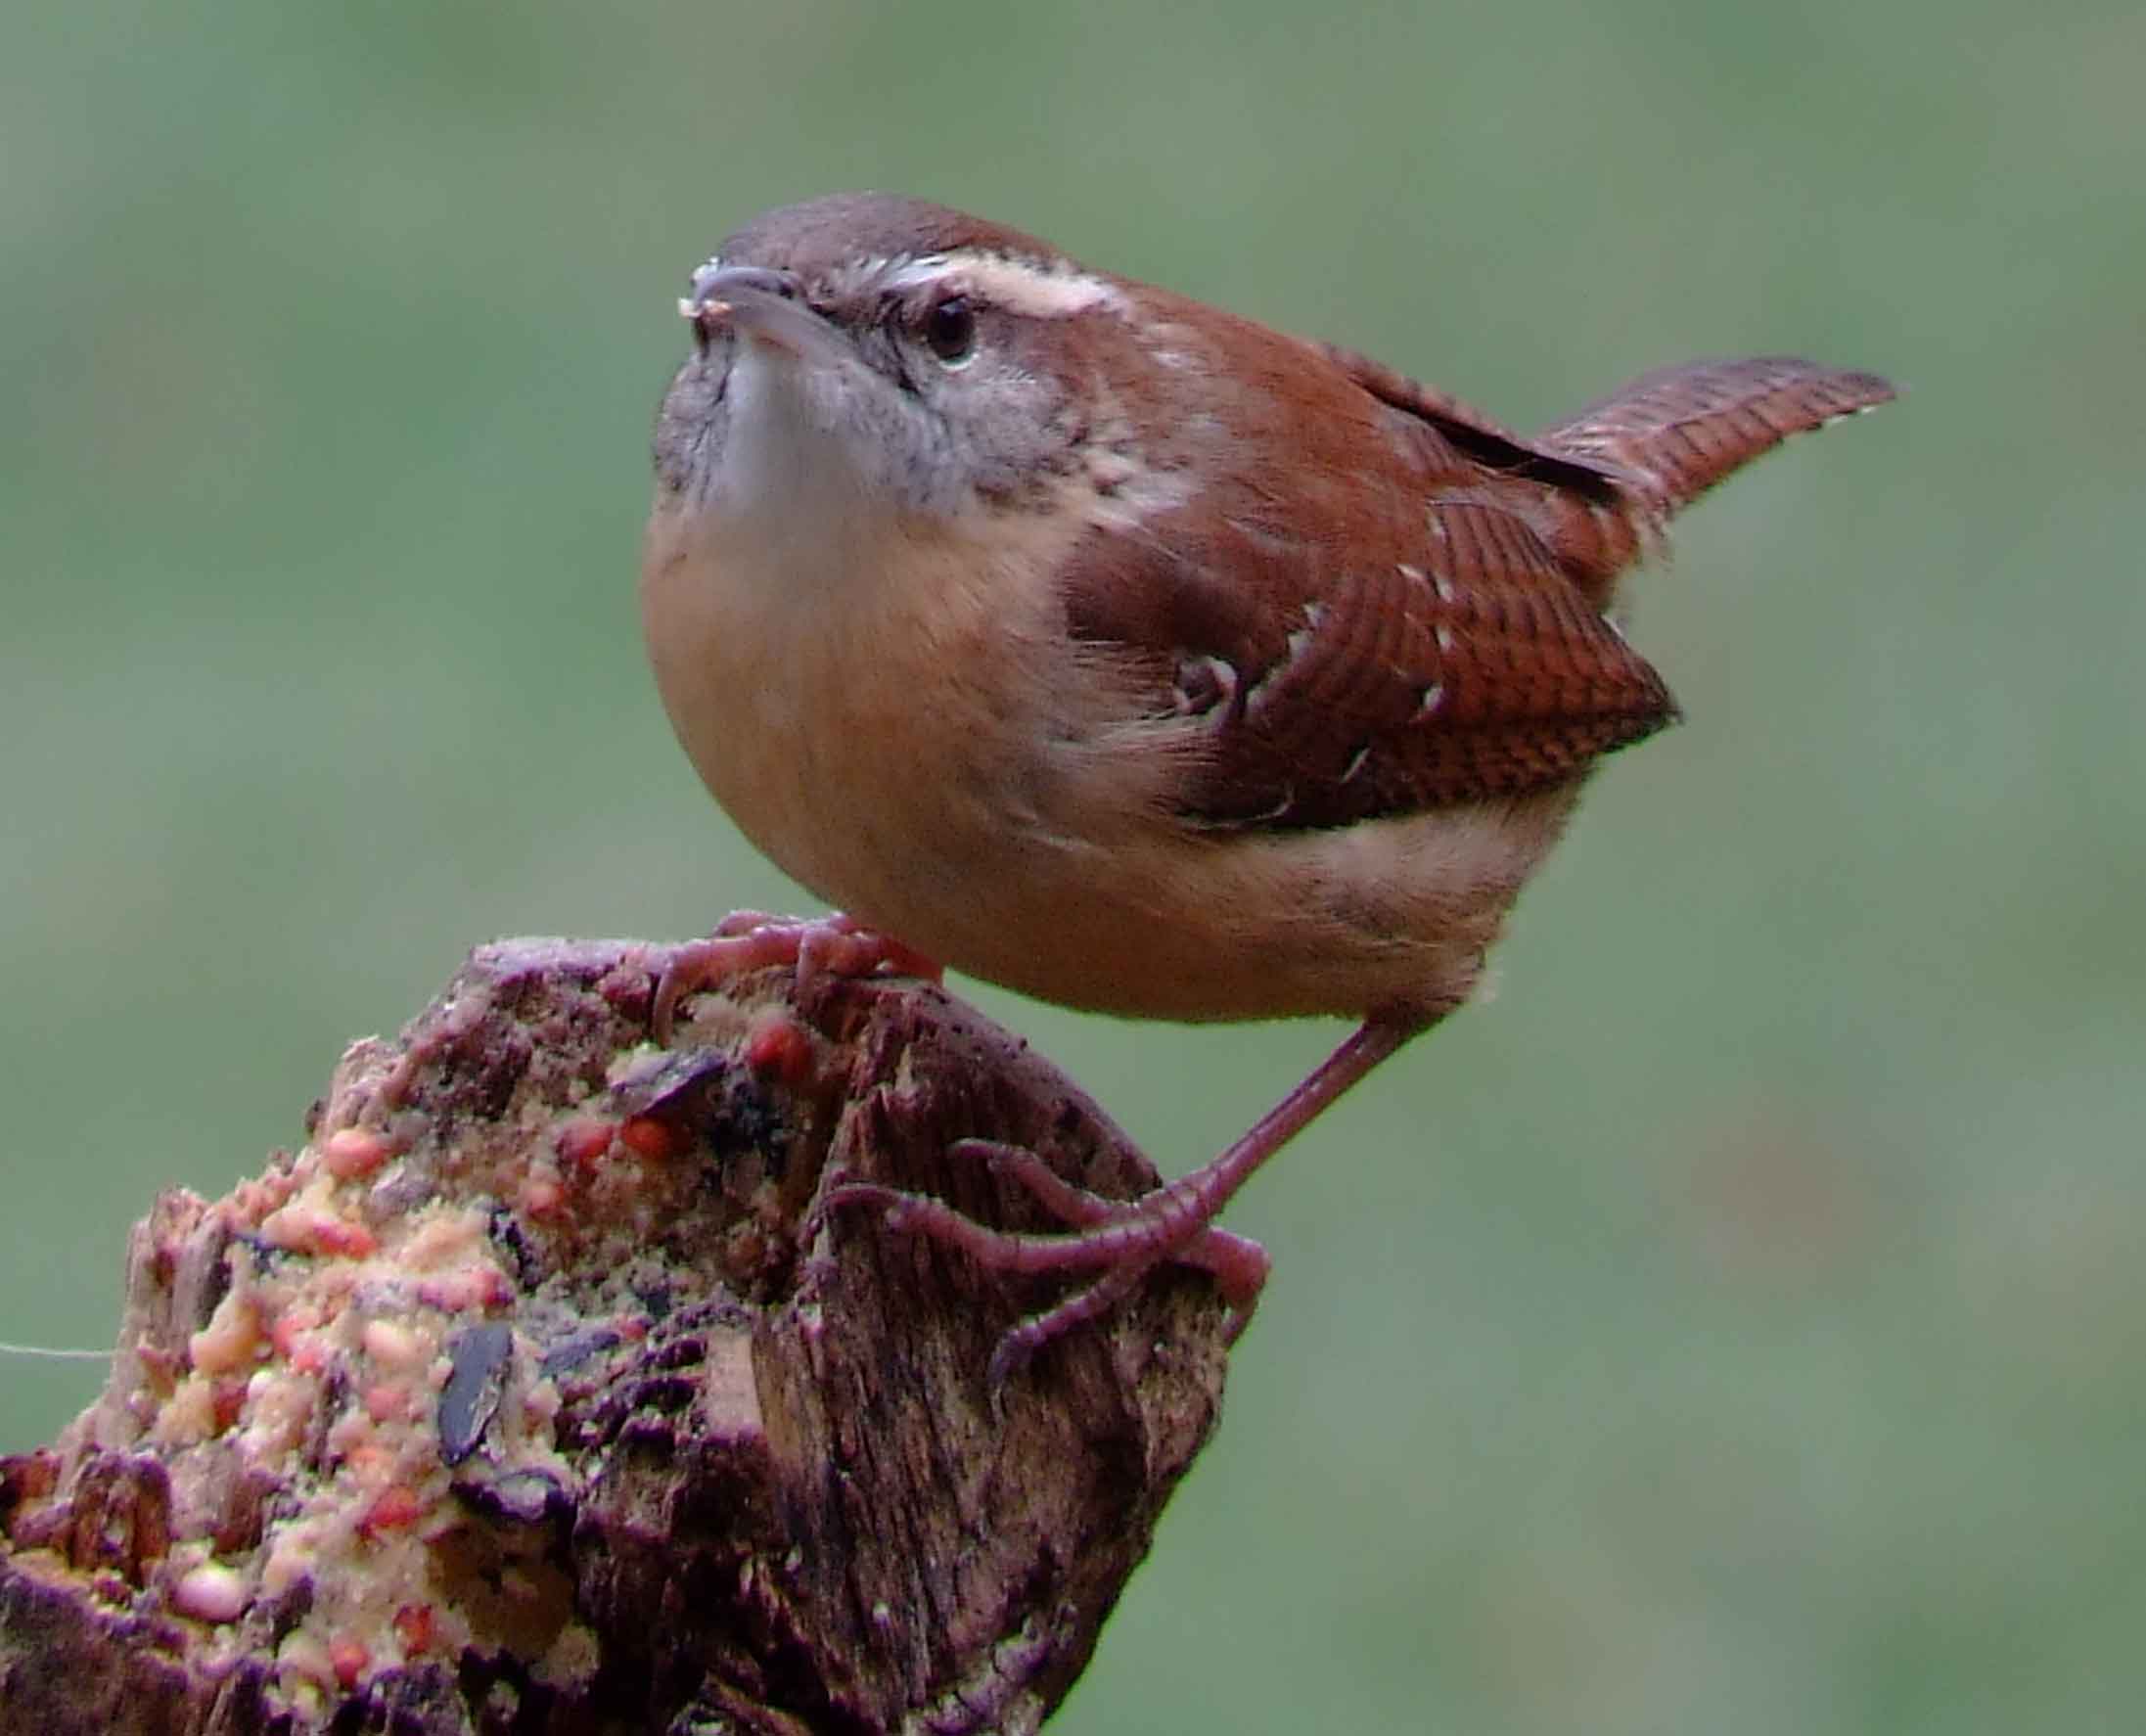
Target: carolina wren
[1136,656]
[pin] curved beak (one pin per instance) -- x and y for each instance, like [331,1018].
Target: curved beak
[762,305]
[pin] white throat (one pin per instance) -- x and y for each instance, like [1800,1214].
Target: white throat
[787,495]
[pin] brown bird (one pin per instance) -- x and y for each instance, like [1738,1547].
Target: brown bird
[1110,647]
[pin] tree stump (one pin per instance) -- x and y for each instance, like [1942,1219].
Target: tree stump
[537,1393]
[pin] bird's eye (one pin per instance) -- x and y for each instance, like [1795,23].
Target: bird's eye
[950,329]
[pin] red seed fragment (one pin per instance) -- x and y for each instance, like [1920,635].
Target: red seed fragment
[339,1236]
[395,1508]
[292,1329]
[228,1402]
[647,1137]
[348,1658]
[416,1627]
[353,1151]
[467,1286]
[583,1141]
[778,1046]
[541,1196]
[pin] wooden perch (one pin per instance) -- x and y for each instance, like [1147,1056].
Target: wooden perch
[536,1394]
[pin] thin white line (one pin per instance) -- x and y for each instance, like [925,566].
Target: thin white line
[8,1350]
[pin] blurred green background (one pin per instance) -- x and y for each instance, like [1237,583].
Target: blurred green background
[1738,1324]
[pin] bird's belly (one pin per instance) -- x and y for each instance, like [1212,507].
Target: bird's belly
[1144,918]
[1162,922]
[892,762]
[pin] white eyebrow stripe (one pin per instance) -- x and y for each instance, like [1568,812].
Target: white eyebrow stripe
[1041,291]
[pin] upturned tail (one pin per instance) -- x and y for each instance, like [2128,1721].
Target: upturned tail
[1676,432]
[1662,440]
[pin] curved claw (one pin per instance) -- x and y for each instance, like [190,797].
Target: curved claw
[751,940]
[1018,1345]
[1010,1356]
[900,1207]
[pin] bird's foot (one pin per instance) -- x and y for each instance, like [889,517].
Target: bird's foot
[744,940]
[1122,1241]
[1118,1241]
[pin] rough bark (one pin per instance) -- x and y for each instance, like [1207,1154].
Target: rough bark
[537,1392]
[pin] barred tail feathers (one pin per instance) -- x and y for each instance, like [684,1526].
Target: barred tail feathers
[1676,432]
